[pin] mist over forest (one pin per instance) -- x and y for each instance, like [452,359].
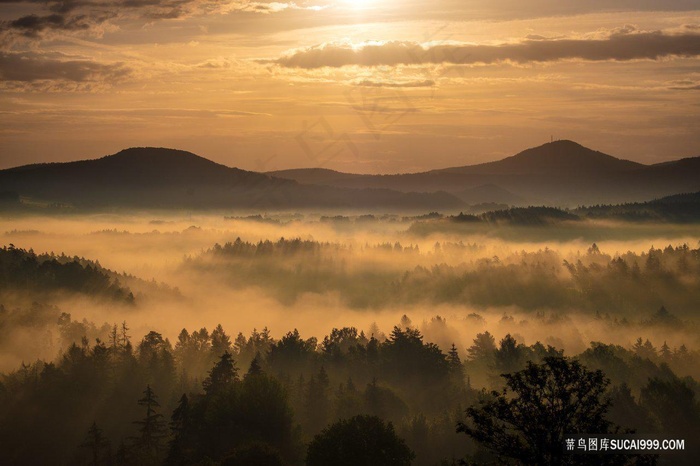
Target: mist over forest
[349,233]
[269,329]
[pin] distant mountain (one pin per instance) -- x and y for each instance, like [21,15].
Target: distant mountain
[148,177]
[561,173]
[553,159]
[319,176]
[168,176]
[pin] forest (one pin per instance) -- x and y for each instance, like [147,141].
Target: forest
[302,340]
[212,398]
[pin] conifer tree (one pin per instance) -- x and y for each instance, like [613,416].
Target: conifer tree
[220,342]
[222,375]
[255,368]
[179,430]
[149,443]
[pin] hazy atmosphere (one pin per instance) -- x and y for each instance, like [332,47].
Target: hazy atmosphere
[330,232]
[186,272]
[269,85]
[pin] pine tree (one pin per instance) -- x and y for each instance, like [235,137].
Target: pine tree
[240,344]
[665,352]
[222,375]
[220,342]
[179,429]
[152,432]
[255,368]
[125,337]
[638,346]
[456,368]
[180,416]
[114,338]
[483,349]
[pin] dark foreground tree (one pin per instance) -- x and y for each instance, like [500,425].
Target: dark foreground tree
[180,429]
[361,440]
[222,375]
[527,423]
[149,444]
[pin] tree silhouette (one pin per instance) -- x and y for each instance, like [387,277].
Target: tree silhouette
[254,368]
[291,353]
[528,420]
[220,342]
[52,404]
[222,375]
[455,363]
[361,440]
[180,426]
[483,349]
[453,358]
[152,432]
[510,356]
[406,356]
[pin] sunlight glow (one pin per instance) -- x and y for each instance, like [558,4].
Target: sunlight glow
[358,3]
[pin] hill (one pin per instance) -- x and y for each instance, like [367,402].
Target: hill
[147,177]
[556,158]
[559,173]
[24,271]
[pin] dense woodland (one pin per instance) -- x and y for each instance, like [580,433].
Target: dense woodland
[102,395]
[210,396]
[22,270]
[679,208]
[592,281]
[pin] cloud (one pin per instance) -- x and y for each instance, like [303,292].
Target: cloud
[89,16]
[30,67]
[618,46]
[685,85]
[33,25]
[368,83]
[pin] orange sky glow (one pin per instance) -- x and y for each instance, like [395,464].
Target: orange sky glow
[359,86]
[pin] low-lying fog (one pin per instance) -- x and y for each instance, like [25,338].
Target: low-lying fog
[366,273]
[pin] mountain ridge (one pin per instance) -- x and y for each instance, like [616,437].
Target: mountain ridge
[148,177]
[562,173]
[557,156]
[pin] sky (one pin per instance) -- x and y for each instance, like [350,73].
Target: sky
[385,86]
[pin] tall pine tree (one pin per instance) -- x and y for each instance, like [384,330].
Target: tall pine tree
[149,443]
